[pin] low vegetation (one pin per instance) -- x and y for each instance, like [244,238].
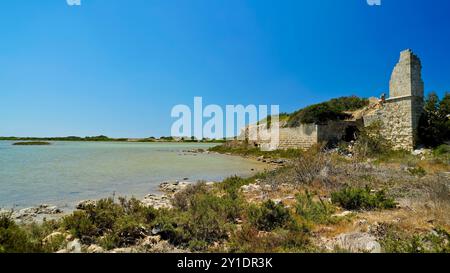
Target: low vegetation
[31,143]
[268,216]
[316,211]
[396,240]
[335,109]
[15,238]
[362,199]
[243,149]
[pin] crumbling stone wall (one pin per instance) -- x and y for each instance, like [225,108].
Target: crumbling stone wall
[400,114]
[303,137]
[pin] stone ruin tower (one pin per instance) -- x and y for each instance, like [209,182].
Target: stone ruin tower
[400,113]
[406,79]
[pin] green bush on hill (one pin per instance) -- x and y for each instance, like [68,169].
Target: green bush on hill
[327,111]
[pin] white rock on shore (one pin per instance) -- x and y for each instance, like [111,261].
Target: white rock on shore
[173,187]
[29,214]
[83,205]
[157,201]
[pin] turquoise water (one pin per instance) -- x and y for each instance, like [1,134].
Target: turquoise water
[66,172]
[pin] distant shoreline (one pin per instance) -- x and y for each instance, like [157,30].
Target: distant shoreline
[108,139]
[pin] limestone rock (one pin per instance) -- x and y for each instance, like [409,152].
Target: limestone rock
[173,187]
[54,236]
[357,242]
[83,205]
[342,214]
[251,188]
[150,241]
[157,201]
[74,246]
[29,214]
[95,249]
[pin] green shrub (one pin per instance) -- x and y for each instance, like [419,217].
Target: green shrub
[362,199]
[128,230]
[80,225]
[169,225]
[315,211]
[250,240]
[371,143]
[327,111]
[442,150]
[16,239]
[397,241]
[104,214]
[234,183]
[111,224]
[135,209]
[243,148]
[417,171]
[268,216]
[183,199]
[208,218]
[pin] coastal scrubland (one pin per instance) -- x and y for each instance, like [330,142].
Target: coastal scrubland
[359,196]
[316,201]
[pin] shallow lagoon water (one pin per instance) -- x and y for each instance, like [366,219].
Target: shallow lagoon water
[66,172]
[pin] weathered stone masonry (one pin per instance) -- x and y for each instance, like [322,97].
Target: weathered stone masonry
[399,115]
[303,136]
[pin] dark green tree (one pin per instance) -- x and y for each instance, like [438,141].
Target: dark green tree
[434,125]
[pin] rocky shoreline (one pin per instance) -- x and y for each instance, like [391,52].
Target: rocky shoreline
[45,211]
[152,243]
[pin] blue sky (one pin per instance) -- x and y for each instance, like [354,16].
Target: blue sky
[117,67]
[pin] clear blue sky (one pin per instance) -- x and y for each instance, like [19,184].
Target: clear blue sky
[116,67]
